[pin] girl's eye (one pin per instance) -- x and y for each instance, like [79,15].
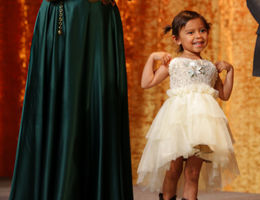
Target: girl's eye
[190,32]
[203,30]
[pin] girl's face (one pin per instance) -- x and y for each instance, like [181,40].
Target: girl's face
[193,37]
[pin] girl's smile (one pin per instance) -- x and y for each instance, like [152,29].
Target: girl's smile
[193,37]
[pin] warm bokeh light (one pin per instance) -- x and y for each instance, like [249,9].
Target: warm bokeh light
[24,51]
[17,20]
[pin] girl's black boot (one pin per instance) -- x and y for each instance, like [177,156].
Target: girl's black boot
[161,197]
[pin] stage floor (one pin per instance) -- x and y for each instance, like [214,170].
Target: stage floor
[140,195]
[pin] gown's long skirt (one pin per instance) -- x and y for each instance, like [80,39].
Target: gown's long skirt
[74,134]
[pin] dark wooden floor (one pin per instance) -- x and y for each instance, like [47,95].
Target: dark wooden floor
[140,195]
[4,188]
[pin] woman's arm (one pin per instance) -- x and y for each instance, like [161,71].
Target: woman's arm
[254,7]
[226,88]
[150,77]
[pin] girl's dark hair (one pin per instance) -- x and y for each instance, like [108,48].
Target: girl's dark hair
[181,20]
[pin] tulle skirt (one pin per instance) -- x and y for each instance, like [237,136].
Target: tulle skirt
[190,122]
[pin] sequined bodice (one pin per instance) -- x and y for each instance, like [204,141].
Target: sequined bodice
[185,71]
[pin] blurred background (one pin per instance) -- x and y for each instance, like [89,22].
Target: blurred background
[232,38]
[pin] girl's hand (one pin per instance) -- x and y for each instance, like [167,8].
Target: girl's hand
[222,65]
[225,88]
[151,77]
[164,57]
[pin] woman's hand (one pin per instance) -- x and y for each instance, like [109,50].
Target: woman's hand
[103,1]
[108,2]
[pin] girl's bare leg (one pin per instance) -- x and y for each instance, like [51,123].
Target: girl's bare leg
[171,178]
[191,176]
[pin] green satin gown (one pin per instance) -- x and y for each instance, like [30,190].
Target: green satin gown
[74,134]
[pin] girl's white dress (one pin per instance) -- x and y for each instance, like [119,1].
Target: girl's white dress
[190,122]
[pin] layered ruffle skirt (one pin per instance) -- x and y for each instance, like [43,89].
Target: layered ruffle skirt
[190,122]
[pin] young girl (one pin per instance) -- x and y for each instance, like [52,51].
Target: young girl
[190,125]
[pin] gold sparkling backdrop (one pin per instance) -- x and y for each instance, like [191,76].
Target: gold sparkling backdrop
[17,19]
[232,39]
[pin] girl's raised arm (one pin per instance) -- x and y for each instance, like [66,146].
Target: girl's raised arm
[150,77]
[226,88]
